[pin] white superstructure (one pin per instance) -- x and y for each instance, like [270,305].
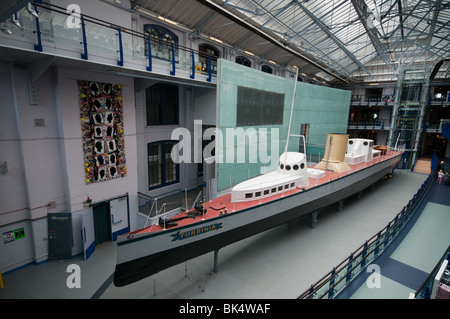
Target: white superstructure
[290,173]
[360,150]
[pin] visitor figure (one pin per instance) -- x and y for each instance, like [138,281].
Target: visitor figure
[447,178]
[440,176]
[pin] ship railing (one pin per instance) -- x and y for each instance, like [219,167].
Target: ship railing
[145,203]
[330,285]
[174,202]
[151,206]
[197,200]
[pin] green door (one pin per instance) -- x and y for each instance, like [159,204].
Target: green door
[102,223]
[59,236]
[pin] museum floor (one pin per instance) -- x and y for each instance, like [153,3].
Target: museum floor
[279,263]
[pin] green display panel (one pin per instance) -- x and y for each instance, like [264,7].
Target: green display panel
[253,110]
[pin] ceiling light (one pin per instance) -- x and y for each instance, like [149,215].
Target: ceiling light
[273,62]
[167,20]
[249,53]
[215,39]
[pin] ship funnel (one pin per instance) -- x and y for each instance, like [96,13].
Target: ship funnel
[334,158]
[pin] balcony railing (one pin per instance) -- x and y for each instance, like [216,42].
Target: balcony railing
[428,286]
[435,126]
[73,35]
[368,125]
[373,100]
[330,285]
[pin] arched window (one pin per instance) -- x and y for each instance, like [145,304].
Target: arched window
[206,51]
[266,69]
[161,40]
[244,61]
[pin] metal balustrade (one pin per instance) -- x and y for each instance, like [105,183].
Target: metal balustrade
[330,285]
[55,32]
[425,290]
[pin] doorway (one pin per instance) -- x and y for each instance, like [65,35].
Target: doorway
[102,222]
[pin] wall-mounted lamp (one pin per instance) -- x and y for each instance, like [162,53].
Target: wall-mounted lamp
[87,202]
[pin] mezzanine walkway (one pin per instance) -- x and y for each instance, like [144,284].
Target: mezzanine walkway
[406,263]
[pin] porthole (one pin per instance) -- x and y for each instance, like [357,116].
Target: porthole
[350,142]
[282,166]
[296,167]
[288,167]
[365,143]
[302,165]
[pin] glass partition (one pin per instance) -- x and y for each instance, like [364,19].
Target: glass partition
[56,31]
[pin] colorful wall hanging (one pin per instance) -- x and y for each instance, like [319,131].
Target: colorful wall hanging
[101,114]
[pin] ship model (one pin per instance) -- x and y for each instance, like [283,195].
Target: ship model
[291,191]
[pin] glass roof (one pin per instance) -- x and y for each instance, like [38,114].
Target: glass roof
[350,40]
[347,35]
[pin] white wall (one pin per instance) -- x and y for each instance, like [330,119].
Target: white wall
[72,150]
[46,164]
[34,168]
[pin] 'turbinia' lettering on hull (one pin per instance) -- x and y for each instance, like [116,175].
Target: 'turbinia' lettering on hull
[180,236]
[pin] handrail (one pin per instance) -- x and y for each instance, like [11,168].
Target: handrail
[109,25]
[380,240]
[445,256]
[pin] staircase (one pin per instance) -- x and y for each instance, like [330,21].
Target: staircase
[423,165]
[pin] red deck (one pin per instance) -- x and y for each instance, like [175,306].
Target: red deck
[223,203]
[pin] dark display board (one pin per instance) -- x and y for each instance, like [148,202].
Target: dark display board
[259,107]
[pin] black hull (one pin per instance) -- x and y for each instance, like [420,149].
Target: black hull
[137,269]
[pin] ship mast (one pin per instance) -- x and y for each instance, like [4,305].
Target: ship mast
[292,111]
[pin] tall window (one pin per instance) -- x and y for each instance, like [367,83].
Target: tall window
[162,104]
[162,171]
[161,40]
